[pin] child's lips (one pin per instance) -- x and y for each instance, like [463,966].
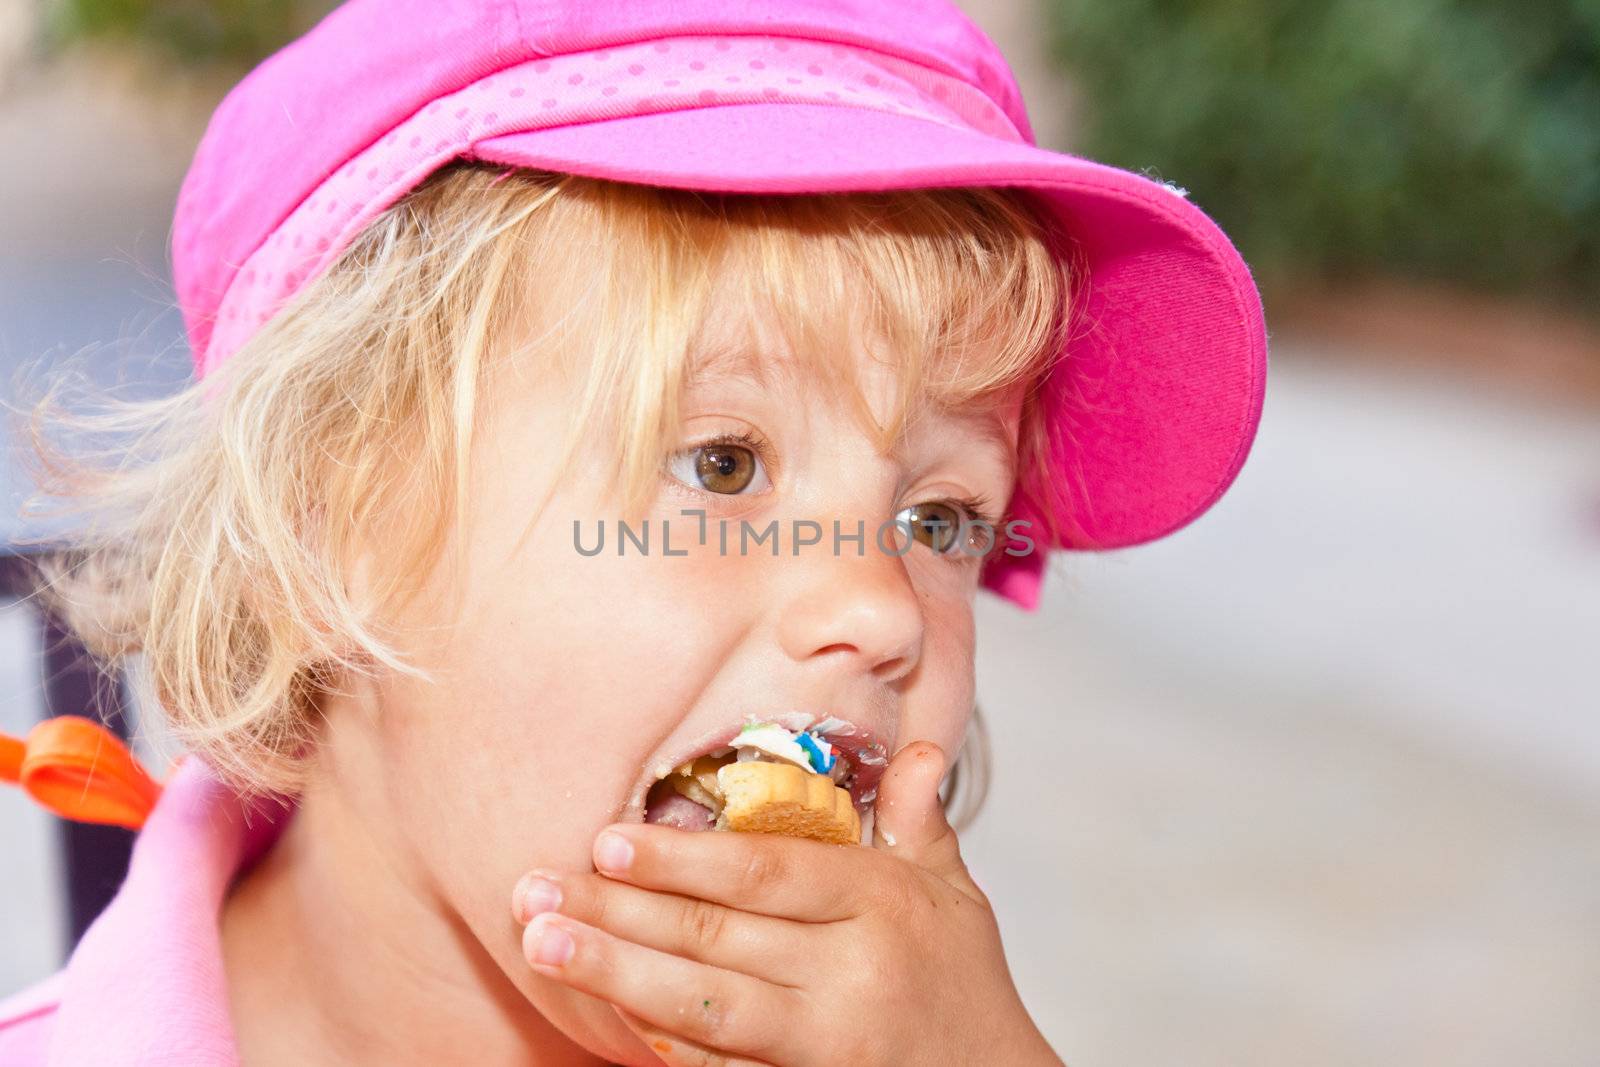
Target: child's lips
[867,759]
[863,753]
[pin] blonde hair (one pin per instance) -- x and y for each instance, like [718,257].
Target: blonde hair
[222,518]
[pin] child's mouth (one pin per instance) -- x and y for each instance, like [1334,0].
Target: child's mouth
[691,795]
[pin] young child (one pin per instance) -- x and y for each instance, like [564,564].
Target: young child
[576,385]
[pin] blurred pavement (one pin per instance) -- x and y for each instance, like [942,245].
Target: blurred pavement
[1316,781]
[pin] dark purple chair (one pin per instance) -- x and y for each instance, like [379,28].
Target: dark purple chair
[96,857]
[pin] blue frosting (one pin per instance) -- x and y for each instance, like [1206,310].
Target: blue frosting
[821,762]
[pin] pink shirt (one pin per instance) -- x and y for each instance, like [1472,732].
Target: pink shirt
[146,984]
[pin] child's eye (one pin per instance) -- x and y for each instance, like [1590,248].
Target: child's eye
[720,467]
[949,527]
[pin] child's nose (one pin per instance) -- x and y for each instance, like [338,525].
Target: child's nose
[861,610]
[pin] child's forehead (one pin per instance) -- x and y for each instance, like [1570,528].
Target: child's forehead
[733,348]
[890,391]
[839,330]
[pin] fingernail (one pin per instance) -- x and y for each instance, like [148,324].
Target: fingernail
[612,852]
[552,946]
[538,896]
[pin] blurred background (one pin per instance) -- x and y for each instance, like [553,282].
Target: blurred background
[1315,781]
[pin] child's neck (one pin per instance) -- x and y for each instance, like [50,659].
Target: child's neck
[335,953]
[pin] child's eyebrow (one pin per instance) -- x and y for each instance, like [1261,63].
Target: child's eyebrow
[986,431]
[715,364]
[990,430]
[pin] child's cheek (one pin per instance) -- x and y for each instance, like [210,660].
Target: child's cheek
[562,675]
[945,686]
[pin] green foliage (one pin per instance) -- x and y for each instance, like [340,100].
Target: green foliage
[194,31]
[1455,140]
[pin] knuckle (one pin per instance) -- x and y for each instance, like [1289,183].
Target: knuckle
[949,843]
[714,1022]
[895,898]
[763,867]
[864,1044]
[703,922]
[735,1021]
[731,1023]
[879,971]
[855,1049]
[593,901]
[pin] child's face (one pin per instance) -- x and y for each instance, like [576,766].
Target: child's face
[568,683]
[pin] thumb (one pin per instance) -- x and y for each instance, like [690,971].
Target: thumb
[908,820]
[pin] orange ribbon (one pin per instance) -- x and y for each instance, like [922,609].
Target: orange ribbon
[81,771]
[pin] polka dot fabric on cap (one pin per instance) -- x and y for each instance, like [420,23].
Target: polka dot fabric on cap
[669,74]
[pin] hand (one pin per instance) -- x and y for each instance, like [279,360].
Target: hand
[752,949]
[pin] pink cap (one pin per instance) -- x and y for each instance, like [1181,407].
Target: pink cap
[1154,407]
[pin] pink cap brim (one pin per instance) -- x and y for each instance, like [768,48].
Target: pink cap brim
[1156,404]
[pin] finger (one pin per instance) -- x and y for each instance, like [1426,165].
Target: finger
[785,877]
[674,1051]
[909,820]
[718,1009]
[759,945]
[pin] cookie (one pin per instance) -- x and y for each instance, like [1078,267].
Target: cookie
[780,798]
